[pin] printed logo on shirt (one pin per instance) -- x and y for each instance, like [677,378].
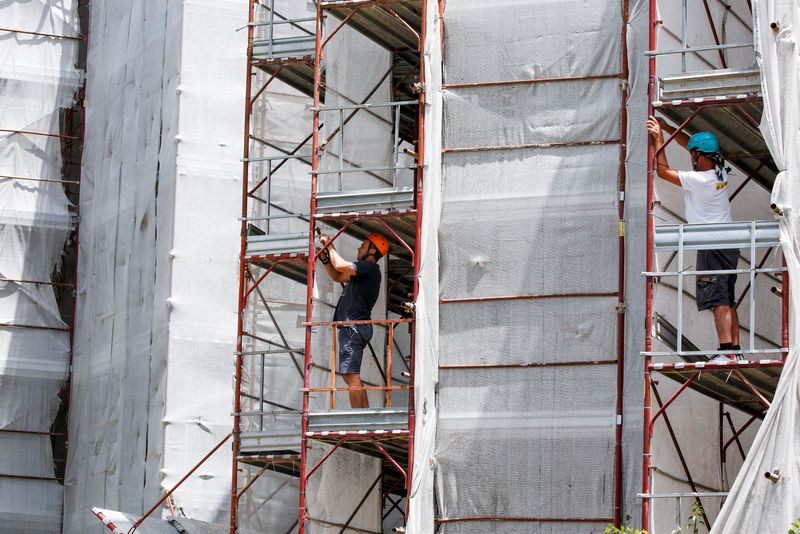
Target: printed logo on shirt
[721,185]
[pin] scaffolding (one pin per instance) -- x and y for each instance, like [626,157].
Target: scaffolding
[280,240]
[277,436]
[727,101]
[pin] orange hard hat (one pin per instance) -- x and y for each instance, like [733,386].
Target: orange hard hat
[380,242]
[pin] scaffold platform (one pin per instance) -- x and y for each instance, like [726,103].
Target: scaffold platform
[360,421]
[366,200]
[728,103]
[711,85]
[287,464]
[723,385]
[287,51]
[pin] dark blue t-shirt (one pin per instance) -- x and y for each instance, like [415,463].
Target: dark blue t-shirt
[360,293]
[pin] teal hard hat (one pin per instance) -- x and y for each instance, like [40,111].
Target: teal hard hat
[705,142]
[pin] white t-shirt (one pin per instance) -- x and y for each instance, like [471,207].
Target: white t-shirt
[706,197]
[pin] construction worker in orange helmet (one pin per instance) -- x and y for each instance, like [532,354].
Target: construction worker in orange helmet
[363,282]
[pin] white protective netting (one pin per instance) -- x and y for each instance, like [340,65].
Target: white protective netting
[38,79]
[517,443]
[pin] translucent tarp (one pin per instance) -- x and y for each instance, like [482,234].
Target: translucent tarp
[38,79]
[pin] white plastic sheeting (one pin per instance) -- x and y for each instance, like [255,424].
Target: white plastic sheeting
[158,250]
[755,504]
[37,79]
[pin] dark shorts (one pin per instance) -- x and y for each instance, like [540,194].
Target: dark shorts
[352,340]
[716,289]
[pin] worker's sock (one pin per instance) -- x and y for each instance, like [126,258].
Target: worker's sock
[723,357]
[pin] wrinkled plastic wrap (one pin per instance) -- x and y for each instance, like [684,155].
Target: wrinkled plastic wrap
[38,79]
[156,310]
[521,219]
[755,504]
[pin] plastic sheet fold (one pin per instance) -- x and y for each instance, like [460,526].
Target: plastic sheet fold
[421,500]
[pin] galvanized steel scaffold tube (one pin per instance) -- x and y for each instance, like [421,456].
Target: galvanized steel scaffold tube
[689,99]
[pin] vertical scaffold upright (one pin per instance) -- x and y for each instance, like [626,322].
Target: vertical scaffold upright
[727,101]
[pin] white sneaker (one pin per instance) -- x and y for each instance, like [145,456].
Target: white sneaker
[724,358]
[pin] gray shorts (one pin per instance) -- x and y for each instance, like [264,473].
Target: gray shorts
[352,340]
[716,289]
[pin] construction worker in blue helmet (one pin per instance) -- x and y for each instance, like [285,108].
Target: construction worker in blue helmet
[706,195]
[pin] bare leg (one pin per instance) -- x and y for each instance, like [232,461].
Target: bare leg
[723,319]
[358,397]
[734,327]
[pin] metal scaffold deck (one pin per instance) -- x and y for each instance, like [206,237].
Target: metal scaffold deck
[51,148]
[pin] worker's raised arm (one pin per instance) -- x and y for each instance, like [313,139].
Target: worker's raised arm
[339,269]
[682,138]
[662,167]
